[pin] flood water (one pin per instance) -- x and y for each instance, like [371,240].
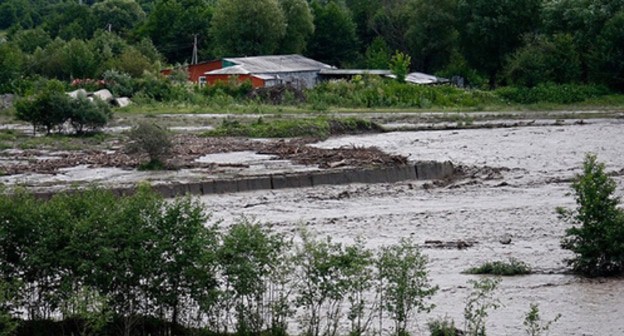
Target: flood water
[527,177]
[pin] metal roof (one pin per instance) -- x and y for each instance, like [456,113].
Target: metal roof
[423,78]
[352,72]
[277,64]
[232,70]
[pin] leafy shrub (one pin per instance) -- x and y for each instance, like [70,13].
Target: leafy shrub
[120,84]
[405,283]
[151,140]
[480,300]
[88,116]
[598,224]
[512,267]
[300,127]
[399,64]
[533,323]
[443,327]
[551,93]
[47,111]
[380,93]
[231,87]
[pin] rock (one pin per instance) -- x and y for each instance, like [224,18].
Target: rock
[104,95]
[77,93]
[505,239]
[122,101]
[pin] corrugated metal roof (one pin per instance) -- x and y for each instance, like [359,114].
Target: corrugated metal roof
[278,63]
[232,70]
[352,72]
[422,78]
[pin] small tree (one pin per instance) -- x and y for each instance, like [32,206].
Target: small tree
[598,232]
[48,110]
[399,64]
[152,140]
[480,300]
[404,283]
[533,323]
[88,116]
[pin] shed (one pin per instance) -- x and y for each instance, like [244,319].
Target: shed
[265,71]
[196,71]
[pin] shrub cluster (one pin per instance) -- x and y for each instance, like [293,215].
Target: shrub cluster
[138,262]
[380,93]
[597,230]
[51,109]
[320,127]
[511,267]
[551,93]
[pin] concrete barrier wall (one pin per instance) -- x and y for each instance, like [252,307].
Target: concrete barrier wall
[422,170]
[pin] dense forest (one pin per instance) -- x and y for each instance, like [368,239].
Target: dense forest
[488,42]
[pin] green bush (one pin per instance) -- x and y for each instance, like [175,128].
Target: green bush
[512,267]
[151,140]
[233,88]
[443,327]
[299,127]
[381,93]
[47,111]
[120,84]
[598,224]
[88,116]
[551,93]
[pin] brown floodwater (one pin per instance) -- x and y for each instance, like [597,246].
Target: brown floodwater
[527,177]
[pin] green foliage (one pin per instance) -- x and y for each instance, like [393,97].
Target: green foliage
[607,61]
[88,115]
[258,28]
[511,267]
[598,224]
[299,26]
[232,87]
[248,255]
[120,84]
[404,283]
[121,15]
[48,110]
[478,303]
[544,59]
[399,64]
[11,66]
[491,29]
[151,140]
[288,128]
[172,24]
[334,41]
[432,35]
[377,55]
[379,93]
[533,323]
[551,93]
[442,327]
[328,274]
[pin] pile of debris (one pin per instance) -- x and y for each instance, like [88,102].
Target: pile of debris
[187,148]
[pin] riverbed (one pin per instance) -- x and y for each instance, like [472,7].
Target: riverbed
[518,176]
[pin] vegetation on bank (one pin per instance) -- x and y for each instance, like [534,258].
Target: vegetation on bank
[320,127]
[597,229]
[502,268]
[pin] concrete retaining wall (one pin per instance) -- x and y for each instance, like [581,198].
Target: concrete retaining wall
[422,170]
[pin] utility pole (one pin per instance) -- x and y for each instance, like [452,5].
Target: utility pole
[109,27]
[194,58]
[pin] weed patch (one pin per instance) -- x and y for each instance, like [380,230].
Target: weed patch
[506,268]
[289,128]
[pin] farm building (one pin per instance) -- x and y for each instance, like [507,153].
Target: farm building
[195,71]
[265,71]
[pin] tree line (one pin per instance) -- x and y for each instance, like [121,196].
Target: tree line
[500,42]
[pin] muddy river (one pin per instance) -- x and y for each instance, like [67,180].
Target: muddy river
[522,176]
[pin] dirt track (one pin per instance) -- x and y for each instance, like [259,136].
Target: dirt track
[527,177]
